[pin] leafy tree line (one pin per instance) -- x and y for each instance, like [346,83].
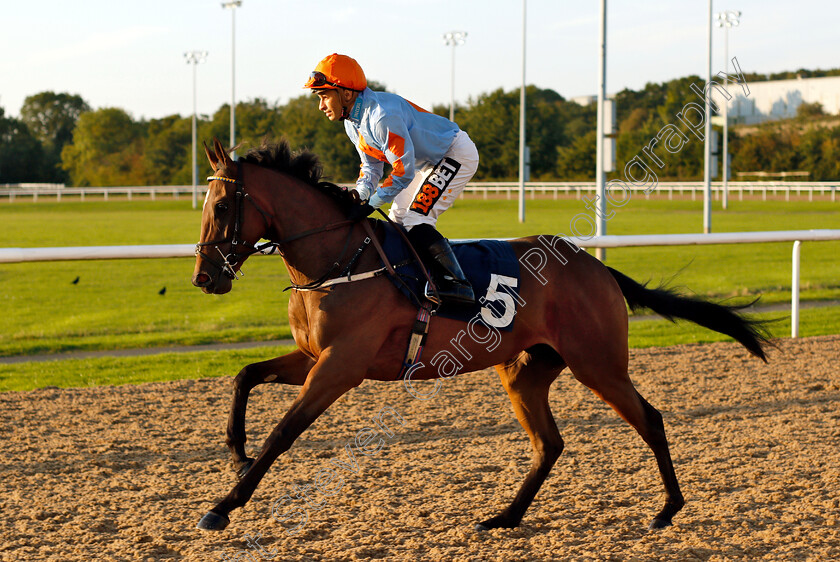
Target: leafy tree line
[810,142]
[59,138]
[791,74]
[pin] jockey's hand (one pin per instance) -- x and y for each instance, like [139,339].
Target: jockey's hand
[360,193]
[358,212]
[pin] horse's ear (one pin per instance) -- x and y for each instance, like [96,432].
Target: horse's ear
[211,156]
[222,156]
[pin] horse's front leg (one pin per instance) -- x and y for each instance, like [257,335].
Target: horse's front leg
[333,375]
[287,369]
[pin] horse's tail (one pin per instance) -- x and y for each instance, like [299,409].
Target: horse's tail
[725,319]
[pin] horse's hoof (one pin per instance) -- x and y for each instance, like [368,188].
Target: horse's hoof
[240,474]
[658,524]
[213,522]
[498,522]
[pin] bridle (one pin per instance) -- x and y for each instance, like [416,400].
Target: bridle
[233,258]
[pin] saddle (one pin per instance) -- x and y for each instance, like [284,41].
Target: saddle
[490,266]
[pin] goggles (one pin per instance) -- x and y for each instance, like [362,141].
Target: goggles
[319,80]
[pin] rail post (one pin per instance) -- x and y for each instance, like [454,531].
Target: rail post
[794,290]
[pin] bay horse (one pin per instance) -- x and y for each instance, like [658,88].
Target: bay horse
[575,317]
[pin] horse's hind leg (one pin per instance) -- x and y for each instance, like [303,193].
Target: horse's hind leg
[287,369]
[659,444]
[527,380]
[613,386]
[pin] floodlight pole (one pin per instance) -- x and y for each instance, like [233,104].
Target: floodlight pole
[726,19]
[453,38]
[194,58]
[707,153]
[522,125]
[600,175]
[232,4]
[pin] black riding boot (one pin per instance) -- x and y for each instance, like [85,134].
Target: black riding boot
[451,283]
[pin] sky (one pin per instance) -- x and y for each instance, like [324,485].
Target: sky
[130,55]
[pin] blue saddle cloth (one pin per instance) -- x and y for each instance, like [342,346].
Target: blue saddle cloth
[491,267]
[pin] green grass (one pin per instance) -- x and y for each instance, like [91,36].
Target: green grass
[76,373]
[658,333]
[116,303]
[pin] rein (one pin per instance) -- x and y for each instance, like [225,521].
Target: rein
[346,277]
[401,231]
[336,264]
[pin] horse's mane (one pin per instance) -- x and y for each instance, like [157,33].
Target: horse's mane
[301,164]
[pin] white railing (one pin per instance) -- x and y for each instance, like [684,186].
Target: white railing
[509,189]
[150,192]
[693,189]
[796,236]
[19,255]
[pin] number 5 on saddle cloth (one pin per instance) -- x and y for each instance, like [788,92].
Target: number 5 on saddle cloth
[490,266]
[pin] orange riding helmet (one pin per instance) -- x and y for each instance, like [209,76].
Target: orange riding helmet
[337,71]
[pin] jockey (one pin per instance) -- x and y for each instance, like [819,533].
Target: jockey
[431,160]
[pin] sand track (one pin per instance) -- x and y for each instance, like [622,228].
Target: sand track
[124,473]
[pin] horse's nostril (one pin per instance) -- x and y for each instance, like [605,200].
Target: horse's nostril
[201,280]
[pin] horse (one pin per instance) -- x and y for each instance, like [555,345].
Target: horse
[575,317]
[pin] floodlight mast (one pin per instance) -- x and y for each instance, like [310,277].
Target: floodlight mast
[522,141]
[707,144]
[194,58]
[600,175]
[726,19]
[232,4]
[453,39]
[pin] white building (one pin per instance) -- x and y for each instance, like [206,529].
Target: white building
[584,100]
[767,101]
[779,99]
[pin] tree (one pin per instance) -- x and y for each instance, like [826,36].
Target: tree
[769,149]
[21,155]
[492,121]
[255,120]
[546,114]
[107,150]
[818,149]
[576,162]
[51,118]
[167,154]
[642,114]
[806,110]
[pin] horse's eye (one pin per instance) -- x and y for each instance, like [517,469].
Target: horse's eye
[221,207]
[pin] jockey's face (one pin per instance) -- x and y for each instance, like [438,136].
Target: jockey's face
[335,103]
